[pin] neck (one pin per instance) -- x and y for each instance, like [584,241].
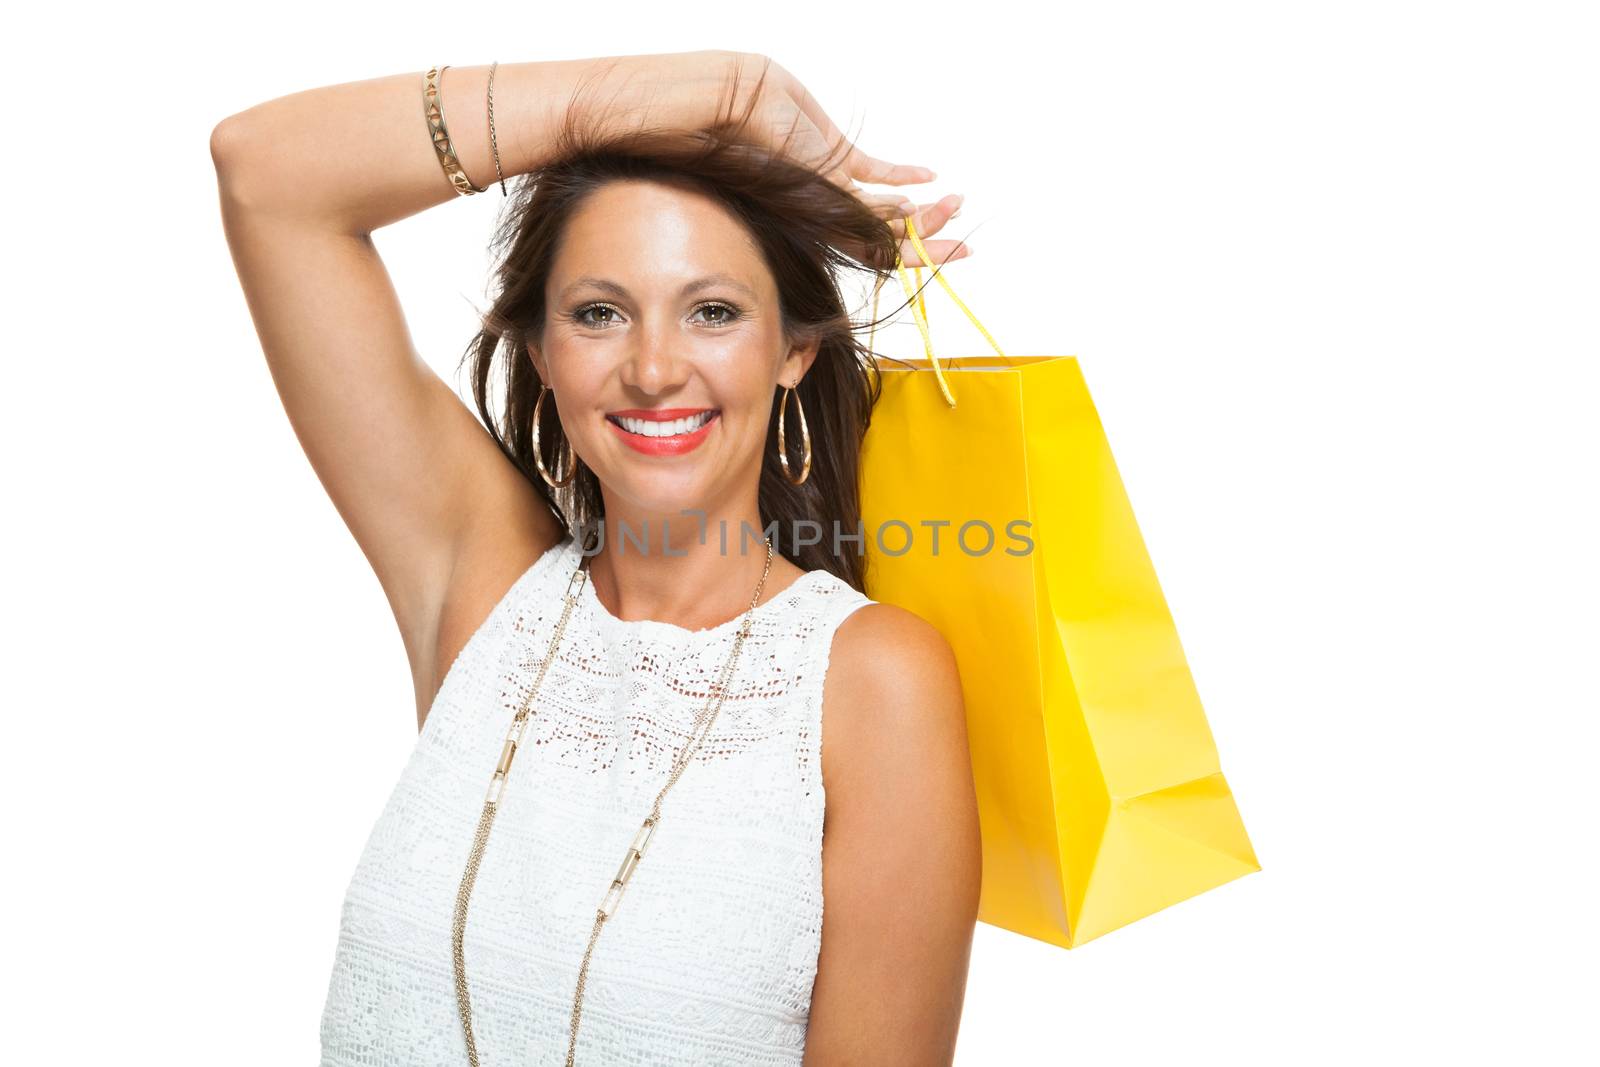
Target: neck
[690,570]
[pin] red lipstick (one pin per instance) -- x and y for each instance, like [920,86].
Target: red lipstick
[671,445]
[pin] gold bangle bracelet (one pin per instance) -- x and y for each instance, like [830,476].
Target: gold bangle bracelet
[433,111]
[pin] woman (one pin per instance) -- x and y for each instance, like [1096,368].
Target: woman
[624,645]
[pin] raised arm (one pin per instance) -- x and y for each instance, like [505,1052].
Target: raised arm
[304,179]
[446,521]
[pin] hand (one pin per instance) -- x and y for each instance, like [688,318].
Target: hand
[689,89]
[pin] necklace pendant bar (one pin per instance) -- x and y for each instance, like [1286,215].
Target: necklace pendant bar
[608,906]
[507,754]
[630,863]
[641,840]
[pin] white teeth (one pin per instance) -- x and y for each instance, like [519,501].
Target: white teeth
[654,428]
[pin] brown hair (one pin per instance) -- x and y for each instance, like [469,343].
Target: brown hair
[807,229]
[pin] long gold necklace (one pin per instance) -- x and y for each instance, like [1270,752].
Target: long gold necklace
[497,782]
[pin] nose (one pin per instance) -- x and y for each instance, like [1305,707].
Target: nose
[653,364]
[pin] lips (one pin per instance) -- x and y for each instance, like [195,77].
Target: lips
[663,431]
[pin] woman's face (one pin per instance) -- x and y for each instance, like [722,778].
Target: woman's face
[661,307]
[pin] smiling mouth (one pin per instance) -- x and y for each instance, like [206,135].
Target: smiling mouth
[656,428]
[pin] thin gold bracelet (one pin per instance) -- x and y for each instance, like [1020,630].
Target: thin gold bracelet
[433,111]
[494,145]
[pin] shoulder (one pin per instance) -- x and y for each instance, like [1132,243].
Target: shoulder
[893,686]
[882,650]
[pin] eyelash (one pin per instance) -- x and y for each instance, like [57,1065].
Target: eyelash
[733,313]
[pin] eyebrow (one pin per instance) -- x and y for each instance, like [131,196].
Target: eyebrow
[709,281]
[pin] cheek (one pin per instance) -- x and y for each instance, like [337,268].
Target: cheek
[578,376]
[740,379]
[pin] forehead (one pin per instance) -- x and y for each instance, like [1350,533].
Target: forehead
[650,236]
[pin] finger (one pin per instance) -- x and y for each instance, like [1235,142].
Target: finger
[940,252]
[867,168]
[862,167]
[804,142]
[888,205]
[930,218]
[856,163]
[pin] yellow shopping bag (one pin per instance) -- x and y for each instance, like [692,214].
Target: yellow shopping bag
[994,510]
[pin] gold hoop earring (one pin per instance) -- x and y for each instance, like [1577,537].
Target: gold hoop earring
[538,455]
[805,434]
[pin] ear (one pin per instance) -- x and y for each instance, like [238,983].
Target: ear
[798,361]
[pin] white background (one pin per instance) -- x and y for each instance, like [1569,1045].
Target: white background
[1331,271]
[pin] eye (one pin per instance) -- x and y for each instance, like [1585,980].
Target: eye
[730,313]
[578,315]
[723,314]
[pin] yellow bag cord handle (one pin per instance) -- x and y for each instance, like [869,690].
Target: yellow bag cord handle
[919,309]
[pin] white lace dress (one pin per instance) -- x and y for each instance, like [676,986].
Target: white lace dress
[711,956]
